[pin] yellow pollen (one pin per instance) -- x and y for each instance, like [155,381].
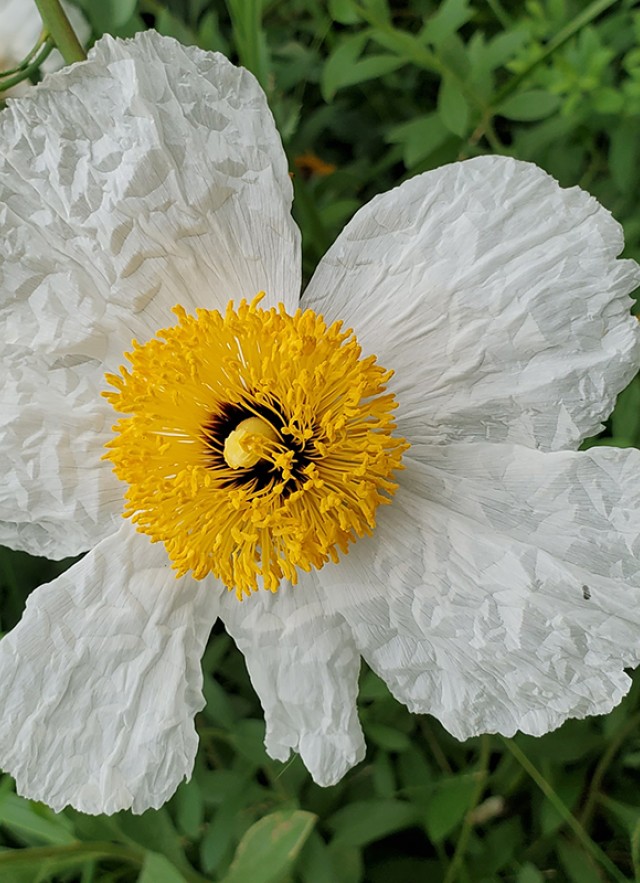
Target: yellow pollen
[240,449]
[254,443]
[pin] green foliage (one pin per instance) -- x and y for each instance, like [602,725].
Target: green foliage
[380,91]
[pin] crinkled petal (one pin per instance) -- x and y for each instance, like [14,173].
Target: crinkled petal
[304,667]
[497,299]
[500,590]
[58,496]
[101,679]
[148,176]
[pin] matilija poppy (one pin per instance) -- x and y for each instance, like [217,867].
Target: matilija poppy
[385,468]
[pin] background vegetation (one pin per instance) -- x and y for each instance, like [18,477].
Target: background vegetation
[367,93]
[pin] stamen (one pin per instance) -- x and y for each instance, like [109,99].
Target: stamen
[256,444]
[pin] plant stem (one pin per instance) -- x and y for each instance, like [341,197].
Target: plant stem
[461,846]
[57,25]
[603,764]
[569,819]
[7,82]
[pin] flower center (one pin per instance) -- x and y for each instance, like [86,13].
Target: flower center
[255,443]
[242,445]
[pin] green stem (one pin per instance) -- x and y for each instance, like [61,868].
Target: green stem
[453,871]
[434,747]
[42,39]
[57,24]
[246,21]
[602,766]
[7,82]
[37,856]
[563,811]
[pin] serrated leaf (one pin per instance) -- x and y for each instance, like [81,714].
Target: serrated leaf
[535,104]
[270,848]
[452,107]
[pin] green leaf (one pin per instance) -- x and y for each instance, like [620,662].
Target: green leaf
[628,816]
[579,866]
[419,138]
[568,787]
[503,47]
[451,15]
[448,805]
[158,869]
[172,26]
[452,107]
[270,848]
[109,14]
[315,858]
[343,11]
[345,67]
[34,822]
[529,874]
[189,809]
[535,104]
[387,737]
[624,155]
[362,822]
[155,831]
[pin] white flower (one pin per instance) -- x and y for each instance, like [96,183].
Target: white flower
[152,175]
[20,27]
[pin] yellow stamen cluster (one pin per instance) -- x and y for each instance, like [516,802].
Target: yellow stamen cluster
[256,442]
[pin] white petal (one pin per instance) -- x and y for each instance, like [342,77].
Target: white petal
[100,681]
[148,176]
[496,298]
[500,589]
[304,667]
[58,496]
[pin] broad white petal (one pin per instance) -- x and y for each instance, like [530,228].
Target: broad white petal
[304,667]
[101,679]
[148,176]
[497,299]
[58,496]
[500,590]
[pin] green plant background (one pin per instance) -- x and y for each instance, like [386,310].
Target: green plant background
[380,90]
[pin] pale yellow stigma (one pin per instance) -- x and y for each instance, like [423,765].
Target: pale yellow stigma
[240,449]
[254,444]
